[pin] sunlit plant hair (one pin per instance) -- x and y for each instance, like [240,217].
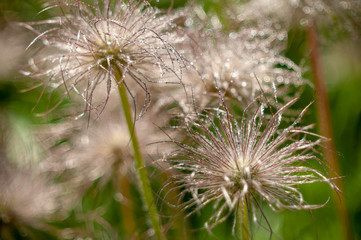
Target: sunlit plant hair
[237,166]
[109,42]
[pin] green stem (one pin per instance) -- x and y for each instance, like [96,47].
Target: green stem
[146,191]
[242,221]
[129,222]
[123,185]
[179,222]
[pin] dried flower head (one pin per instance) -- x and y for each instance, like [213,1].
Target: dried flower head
[26,197]
[87,155]
[105,43]
[234,166]
[245,65]
[338,16]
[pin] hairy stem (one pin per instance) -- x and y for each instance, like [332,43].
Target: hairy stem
[146,191]
[242,221]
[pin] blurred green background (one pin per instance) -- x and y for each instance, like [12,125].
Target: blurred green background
[341,57]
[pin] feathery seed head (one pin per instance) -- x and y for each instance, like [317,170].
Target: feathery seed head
[101,152]
[26,197]
[336,15]
[244,65]
[232,165]
[110,42]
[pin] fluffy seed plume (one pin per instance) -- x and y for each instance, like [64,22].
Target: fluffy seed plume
[101,152]
[340,16]
[26,197]
[247,71]
[241,165]
[97,46]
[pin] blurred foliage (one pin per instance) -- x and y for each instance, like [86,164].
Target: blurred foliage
[342,65]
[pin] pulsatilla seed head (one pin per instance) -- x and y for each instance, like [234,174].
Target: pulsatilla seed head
[105,43]
[236,164]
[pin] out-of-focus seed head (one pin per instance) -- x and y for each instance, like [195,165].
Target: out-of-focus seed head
[26,197]
[338,16]
[86,155]
[97,46]
[241,165]
[12,46]
[244,66]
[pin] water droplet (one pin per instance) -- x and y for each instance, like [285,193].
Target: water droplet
[188,22]
[233,35]
[282,36]
[304,22]
[294,3]
[234,74]
[262,110]
[119,197]
[345,5]
[307,10]
[253,32]
[70,163]
[279,79]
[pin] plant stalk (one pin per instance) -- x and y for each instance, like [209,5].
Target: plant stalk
[325,124]
[242,221]
[179,221]
[146,191]
[123,186]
